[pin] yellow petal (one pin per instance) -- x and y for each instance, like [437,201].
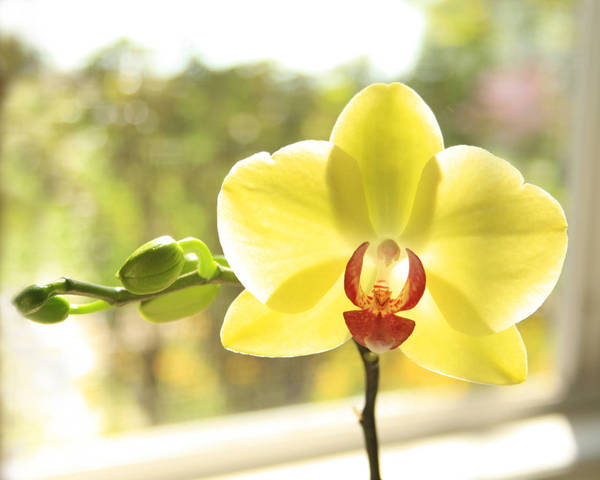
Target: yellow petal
[492,246]
[498,358]
[252,328]
[392,133]
[282,225]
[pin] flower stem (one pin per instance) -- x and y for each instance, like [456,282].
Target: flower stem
[118,296]
[84,308]
[367,417]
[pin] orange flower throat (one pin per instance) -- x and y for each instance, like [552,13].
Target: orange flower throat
[376,326]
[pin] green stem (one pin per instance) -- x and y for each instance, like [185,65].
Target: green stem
[208,266]
[117,296]
[92,307]
[367,417]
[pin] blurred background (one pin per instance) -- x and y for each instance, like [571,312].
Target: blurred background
[118,123]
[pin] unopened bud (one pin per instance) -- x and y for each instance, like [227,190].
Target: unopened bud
[55,310]
[153,266]
[178,304]
[181,303]
[31,299]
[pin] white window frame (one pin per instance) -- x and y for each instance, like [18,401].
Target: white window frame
[579,329]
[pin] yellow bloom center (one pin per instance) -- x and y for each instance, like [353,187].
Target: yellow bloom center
[375,326]
[388,254]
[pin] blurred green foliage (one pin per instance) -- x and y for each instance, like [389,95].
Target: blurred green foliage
[97,161]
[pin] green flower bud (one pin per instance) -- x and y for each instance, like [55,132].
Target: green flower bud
[31,299]
[153,266]
[178,304]
[55,310]
[182,303]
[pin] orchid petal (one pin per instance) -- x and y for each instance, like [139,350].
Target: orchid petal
[498,358]
[493,246]
[278,222]
[251,327]
[392,133]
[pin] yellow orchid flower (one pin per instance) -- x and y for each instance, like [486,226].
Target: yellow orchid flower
[485,249]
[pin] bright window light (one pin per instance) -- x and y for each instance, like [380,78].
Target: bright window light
[311,36]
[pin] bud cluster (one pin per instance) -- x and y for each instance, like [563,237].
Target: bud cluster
[148,272]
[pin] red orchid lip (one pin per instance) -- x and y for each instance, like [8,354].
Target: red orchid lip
[376,326]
